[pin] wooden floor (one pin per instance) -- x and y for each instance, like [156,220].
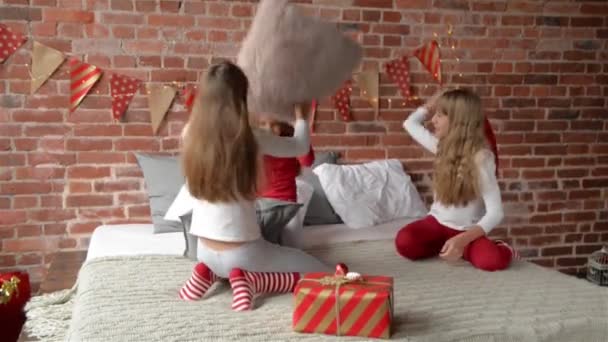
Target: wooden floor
[62,274]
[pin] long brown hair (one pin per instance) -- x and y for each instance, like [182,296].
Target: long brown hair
[220,153]
[455,178]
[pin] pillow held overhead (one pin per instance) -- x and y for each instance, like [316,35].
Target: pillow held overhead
[291,58]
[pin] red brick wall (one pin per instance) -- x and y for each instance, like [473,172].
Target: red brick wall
[540,67]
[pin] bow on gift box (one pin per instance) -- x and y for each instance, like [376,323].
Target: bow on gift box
[342,276]
[8,289]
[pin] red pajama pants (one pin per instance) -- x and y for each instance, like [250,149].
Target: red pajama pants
[425,238]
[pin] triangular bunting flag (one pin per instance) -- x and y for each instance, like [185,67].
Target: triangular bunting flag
[45,61]
[341,100]
[9,42]
[122,89]
[430,58]
[83,77]
[399,71]
[368,82]
[159,101]
[189,94]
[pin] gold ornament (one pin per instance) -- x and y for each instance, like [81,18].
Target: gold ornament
[8,289]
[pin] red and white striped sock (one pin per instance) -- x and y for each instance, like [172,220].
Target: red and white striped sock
[246,284]
[201,280]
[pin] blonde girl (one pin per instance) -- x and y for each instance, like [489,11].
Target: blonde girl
[467,203]
[220,159]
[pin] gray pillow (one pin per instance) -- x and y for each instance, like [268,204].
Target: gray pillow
[319,209]
[273,215]
[163,178]
[190,251]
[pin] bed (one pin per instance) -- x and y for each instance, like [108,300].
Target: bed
[133,239]
[318,235]
[127,290]
[139,239]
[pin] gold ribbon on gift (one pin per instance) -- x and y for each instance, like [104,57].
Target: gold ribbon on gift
[334,280]
[8,289]
[337,281]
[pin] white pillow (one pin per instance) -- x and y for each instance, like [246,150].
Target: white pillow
[364,195]
[182,203]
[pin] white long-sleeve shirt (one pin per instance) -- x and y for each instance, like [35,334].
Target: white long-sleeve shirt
[463,217]
[237,221]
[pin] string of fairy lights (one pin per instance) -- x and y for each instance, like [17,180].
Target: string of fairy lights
[451,44]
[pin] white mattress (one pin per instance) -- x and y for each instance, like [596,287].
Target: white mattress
[133,239]
[139,239]
[310,236]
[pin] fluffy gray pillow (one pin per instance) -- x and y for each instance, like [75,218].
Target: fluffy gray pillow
[163,178]
[291,58]
[319,209]
[273,216]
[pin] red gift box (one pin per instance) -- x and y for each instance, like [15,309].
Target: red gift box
[344,305]
[15,292]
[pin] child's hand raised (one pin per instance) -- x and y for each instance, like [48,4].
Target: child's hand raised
[301,110]
[432,102]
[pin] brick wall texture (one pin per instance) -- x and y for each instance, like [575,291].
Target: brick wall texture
[540,66]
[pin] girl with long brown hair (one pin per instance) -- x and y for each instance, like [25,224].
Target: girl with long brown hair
[464,184]
[221,160]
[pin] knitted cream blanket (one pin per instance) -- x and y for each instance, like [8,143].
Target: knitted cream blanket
[135,299]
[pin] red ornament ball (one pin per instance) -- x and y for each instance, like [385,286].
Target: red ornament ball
[341,269]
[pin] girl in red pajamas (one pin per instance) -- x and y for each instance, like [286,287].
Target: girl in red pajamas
[281,173]
[464,183]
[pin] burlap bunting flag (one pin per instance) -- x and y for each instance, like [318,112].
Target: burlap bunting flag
[45,61]
[368,82]
[160,98]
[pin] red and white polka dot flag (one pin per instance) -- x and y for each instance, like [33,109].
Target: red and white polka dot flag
[9,42]
[341,100]
[122,89]
[430,58]
[189,94]
[399,71]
